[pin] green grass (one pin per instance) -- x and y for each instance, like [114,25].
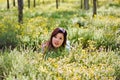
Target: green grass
[95,42]
[26,64]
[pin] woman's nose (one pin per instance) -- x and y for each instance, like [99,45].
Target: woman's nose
[57,40]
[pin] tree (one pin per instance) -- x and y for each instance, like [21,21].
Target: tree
[20,11]
[43,2]
[28,3]
[8,5]
[34,3]
[13,2]
[86,4]
[56,4]
[81,4]
[94,7]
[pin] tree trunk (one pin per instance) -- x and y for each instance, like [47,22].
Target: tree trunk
[28,3]
[13,2]
[8,5]
[86,4]
[34,3]
[81,6]
[94,7]
[56,4]
[97,2]
[43,2]
[20,11]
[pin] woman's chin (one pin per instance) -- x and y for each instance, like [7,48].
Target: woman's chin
[56,46]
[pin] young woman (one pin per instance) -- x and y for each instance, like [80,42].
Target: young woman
[56,43]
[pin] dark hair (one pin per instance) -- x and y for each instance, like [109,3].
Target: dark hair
[54,33]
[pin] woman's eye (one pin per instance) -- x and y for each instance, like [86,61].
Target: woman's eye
[60,38]
[55,37]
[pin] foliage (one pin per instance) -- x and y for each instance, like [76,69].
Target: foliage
[26,64]
[8,33]
[95,42]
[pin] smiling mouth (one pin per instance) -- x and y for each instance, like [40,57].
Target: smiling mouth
[56,43]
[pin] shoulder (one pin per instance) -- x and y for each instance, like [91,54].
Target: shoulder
[68,45]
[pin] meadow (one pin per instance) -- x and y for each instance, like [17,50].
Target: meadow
[95,42]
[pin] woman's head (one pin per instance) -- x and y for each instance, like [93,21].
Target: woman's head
[58,38]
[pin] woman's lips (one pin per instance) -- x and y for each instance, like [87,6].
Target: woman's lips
[56,43]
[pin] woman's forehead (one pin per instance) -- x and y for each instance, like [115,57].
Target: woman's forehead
[60,34]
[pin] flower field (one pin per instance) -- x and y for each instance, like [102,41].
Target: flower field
[95,42]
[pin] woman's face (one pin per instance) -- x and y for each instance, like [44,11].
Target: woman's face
[57,40]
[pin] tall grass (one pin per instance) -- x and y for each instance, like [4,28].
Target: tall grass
[27,64]
[95,43]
